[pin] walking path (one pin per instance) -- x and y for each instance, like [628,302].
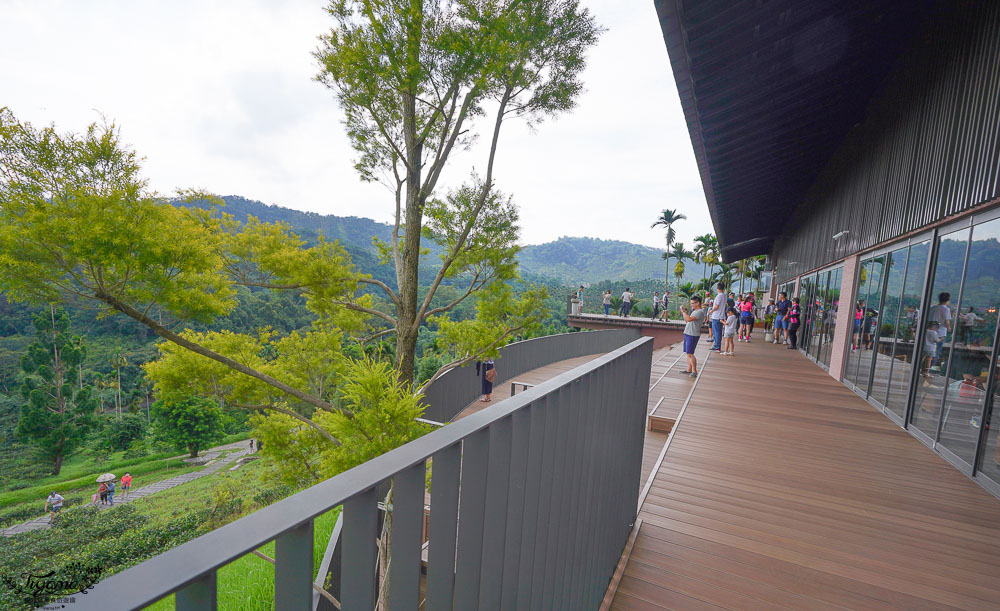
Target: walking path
[239,450]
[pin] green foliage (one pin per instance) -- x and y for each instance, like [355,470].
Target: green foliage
[382,418]
[589,260]
[189,424]
[501,314]
[58,410]
[122,431]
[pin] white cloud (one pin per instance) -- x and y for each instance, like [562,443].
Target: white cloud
[220,95]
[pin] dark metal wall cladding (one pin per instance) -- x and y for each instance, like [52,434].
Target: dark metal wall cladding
[928,148]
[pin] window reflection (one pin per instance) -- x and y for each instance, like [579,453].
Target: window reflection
[895,263]
[905,330]
[973,324]
[937,332]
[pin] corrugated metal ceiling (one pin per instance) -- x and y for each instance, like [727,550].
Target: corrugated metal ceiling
[769,90]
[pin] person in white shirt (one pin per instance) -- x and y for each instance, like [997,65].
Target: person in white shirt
[626,302]
[932,345]
[717,314]
[729,349]
[968,323]
[55,502]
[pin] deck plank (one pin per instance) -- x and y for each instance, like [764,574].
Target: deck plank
[782,488]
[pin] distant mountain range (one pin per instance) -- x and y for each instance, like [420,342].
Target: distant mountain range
[567,260]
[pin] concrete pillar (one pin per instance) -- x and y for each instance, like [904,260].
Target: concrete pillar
[845,316]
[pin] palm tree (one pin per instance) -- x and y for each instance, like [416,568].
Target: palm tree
[667,220]
[704,252]
[687,289]
[681,254]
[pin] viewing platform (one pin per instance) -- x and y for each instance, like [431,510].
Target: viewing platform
[665,333]
[768,488]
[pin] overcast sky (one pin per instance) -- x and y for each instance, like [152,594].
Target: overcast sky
[220,95]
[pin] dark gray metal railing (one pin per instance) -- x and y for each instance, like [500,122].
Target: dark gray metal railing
[531,503]
[455,390]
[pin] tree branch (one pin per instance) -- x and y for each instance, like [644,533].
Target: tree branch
[373,312]
[378,335]
[462,361]
[170,336]
[383,286]
[289,412]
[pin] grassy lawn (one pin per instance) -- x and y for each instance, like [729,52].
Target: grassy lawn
[247,583]
[81,471]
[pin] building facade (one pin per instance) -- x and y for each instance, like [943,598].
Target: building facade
[859,147]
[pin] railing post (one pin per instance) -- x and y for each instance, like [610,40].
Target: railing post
[199,595]
[407,525]
[358,552]
[293,568]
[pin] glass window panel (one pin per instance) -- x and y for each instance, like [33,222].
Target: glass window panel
[884,323]
[832,309]
[906,328]
[869,321]
[820,305]
[974,329]
[936,331]
[856,320]
[806,294]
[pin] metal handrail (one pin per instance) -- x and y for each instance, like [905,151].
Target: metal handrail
[515,384]
[558,428]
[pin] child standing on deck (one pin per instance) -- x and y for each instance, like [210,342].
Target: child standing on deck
[728,349]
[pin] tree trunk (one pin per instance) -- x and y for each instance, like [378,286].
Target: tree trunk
[407,277]
[58,464]
[194,451]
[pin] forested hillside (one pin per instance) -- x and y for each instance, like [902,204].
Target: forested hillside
[567,260]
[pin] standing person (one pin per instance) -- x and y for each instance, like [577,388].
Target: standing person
[55,502]
[941,314]
[127,479]
[579,298]
[781,318]
[488,372]
[111,493]
[102,491]
[666,305]
[626,302]
[969,320]
[859,321]
[794,313]
[746,318]
[251,446]
[607,302]
[768,311]
[931,337]
[656,304]
[692,331]
[717,315]
[728,332]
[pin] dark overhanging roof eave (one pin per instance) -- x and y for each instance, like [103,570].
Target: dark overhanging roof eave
[681,66]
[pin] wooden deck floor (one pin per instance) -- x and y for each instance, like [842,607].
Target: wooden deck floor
[783,489]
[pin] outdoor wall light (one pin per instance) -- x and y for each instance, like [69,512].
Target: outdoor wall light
[840,234]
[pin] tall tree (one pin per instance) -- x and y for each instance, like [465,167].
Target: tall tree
[666,220]
[412,77]
[681,254]
[191,424]
[57,413]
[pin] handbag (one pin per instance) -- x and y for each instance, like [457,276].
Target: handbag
[491,375]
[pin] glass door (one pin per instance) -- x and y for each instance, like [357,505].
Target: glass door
[807,292]
[855,317]
[831,314]
[906,332]
[885,323]
[974,327]
[937,332]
